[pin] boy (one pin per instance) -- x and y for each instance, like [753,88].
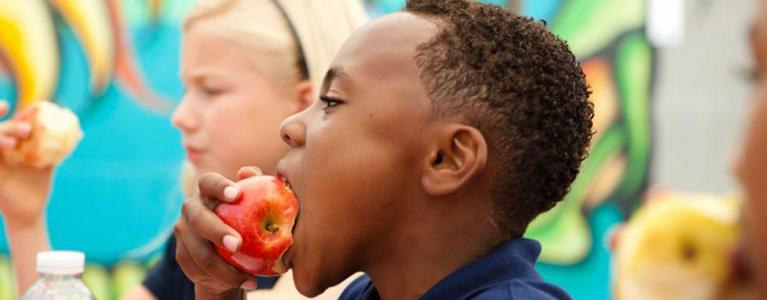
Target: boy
[442,131]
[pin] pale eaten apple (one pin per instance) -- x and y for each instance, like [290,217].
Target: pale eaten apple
[55,133]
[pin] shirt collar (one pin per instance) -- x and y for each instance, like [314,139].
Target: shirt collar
[514,259]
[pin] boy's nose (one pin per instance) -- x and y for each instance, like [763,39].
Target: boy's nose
[293,130]
[184,118]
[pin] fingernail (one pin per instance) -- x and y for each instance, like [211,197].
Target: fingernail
[25,128]
[231,192]
[248,285]
[7,143]
[231,243]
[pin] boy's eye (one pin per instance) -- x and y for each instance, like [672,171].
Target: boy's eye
[330,102]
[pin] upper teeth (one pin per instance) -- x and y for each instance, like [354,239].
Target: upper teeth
[285,180]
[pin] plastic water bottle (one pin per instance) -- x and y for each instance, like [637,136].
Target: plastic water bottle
[59,279]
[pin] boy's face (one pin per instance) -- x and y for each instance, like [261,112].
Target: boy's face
[355,163]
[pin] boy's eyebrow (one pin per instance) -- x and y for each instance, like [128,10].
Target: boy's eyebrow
[335,72]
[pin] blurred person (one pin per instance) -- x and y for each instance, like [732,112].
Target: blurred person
[748,266]
[751,166]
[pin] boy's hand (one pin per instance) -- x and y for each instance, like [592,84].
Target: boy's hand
[199,229]
[24,190]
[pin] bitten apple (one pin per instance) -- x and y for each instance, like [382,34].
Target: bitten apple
[264,216]
[55,133]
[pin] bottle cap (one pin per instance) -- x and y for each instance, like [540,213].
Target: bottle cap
[60,262]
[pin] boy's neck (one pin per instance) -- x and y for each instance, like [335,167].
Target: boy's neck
[430,246]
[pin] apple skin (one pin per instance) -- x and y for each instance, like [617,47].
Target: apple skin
[264,216]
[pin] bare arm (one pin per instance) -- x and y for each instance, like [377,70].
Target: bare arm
[24,193]
[25,240]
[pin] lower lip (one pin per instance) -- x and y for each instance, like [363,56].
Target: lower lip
[287,258]
[193,155]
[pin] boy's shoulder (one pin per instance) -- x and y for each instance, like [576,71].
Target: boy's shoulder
[362,289]
[507,272]
[520,289]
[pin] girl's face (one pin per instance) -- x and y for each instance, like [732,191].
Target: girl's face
[231,110]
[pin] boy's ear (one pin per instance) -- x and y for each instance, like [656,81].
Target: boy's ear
[459,155]
[305,93]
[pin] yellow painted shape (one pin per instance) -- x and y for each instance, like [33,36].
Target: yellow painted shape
[28,45]
[91,22]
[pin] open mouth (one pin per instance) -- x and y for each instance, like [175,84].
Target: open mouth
[285,180]
[288,255]
[290,188]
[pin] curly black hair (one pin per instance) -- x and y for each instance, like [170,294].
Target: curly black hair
[522,87]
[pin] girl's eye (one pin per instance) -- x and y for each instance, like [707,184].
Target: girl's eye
[212,91]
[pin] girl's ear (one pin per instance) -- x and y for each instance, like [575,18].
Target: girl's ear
[305,93]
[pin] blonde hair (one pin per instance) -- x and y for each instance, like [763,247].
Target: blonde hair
[258,27]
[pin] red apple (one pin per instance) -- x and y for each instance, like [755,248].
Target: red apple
[264,216]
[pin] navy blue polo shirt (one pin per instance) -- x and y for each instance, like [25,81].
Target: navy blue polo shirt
[508,272]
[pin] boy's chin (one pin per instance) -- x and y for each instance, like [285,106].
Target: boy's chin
[308,284]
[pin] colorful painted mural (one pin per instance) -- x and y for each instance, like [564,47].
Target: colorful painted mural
[608,38]
[115,63]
